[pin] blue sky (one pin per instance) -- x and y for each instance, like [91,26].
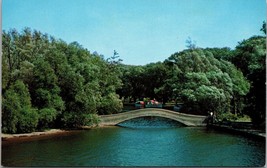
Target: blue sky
[141,31]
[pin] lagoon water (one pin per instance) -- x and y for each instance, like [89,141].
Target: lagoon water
[140,142]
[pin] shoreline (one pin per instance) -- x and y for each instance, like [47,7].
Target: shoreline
[51,131]
[245,132]
[6,138]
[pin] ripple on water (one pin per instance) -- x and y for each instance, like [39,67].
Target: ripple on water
[147,146]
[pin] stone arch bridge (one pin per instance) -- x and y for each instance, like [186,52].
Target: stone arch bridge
[186,119]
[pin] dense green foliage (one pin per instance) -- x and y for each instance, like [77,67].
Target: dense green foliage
[49,83]
[205,83]
[143,81]
[194,77]
[18,114]
[250,57]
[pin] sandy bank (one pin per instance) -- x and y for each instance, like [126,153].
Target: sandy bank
[40,135]
[52,131]
[35,135]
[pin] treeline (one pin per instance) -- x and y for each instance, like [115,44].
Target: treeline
[49,83]
[193,77]
[230,83]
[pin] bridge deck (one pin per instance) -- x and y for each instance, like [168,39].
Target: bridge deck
[186,119]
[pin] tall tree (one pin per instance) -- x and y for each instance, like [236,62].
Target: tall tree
[263,29]
[18,114]
[203,82]
[250,57]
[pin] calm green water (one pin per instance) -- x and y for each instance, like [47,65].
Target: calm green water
[138,146]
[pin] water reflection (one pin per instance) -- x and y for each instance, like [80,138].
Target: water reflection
[150,122]
[147,146]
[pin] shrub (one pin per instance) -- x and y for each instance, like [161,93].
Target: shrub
[28,120]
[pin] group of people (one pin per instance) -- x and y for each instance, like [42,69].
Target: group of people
[153,102]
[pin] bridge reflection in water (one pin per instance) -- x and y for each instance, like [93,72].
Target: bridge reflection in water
[186,119]
[151,123]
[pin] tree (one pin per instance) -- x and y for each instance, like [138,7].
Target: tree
[155,74]
[190,44]
[203,82]
[132,82]
[263,29]
[18,114]
[250,56]
[45,93]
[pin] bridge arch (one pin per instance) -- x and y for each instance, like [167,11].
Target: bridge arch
[186,119]
[179,121]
